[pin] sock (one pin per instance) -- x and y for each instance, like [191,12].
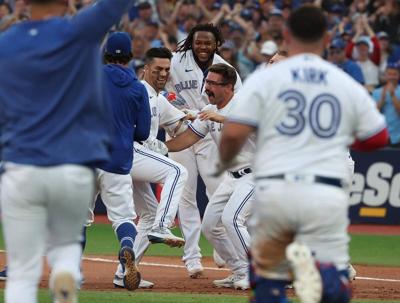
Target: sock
[126,233]
[83,240]
[336,285]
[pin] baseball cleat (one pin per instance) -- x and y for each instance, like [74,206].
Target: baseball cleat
[131,274]
[3,274]
[242,284]
[194,268]
[63,288]
[164,235]
[352,272]
[307,280]
[229,282]
[119,283]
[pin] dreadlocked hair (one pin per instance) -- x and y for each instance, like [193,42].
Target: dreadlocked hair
[186,44]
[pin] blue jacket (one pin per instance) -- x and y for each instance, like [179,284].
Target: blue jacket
[52,107]
[131,116]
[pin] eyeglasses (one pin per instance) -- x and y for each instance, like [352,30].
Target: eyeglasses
[213,83]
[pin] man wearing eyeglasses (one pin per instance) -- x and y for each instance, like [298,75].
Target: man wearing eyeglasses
[338,57]
[229,206]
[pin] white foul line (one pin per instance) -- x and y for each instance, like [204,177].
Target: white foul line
[213,268]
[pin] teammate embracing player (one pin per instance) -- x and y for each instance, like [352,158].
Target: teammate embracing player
[305,119]
[188,67]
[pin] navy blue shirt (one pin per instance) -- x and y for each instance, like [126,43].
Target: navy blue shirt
[52,105]
[131,116]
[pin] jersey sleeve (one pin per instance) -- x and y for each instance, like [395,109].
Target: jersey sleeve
[369,121]
[169,114]
[199,127]
[248,105]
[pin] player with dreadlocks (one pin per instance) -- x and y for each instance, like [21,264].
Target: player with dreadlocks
[188,67]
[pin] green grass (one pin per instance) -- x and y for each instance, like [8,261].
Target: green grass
[154,297]
[364,249]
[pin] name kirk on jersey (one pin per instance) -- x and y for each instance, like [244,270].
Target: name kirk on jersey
[189,84]
[309,75]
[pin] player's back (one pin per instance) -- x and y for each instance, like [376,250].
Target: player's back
[310,113]
[51,95]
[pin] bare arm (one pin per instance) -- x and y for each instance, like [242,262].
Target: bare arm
[183,141]
[212,116]
[381,101]
[233,137]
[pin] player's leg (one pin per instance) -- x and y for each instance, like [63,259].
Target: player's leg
[24,217]
[234,217]
[156,168]
[70,193]
[215,233]
[189,216]
[117,195]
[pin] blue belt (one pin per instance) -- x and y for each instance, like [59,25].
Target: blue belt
[317,179]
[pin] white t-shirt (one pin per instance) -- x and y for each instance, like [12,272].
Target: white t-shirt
[202,128]
[163,113]
[370,72]
[307,112]
[187,81]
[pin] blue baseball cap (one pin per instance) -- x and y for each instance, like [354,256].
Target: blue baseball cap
[119,44]
[338,43]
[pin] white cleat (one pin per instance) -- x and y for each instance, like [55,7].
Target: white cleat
[63,288]
[164,235]
[218,260]
[194,268]
[352,272]
[307,280]
[119,282]
[242,284]
[229,282]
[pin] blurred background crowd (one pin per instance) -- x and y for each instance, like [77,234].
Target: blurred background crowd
[364,35]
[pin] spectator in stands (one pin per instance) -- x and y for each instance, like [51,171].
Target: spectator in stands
[387,18]
[388,102]
[338,57]
[369,69]
[268,50]
[389,52]
[228,52]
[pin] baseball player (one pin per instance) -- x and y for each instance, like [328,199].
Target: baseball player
[131,119]
[53,117]
[188,67]
[305,118]
[229,206]
[151,167]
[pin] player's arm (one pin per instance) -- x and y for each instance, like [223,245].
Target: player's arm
[183,141]
[212,116]
[379,140]
[233,138]
[143,121]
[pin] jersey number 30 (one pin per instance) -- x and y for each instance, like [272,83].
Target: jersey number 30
[295,120]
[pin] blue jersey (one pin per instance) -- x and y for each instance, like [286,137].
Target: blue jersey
[131,116]
[52,106]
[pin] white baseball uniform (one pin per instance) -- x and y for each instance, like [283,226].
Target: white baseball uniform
[150,167]
[187,81]
[305,119]
[230,204]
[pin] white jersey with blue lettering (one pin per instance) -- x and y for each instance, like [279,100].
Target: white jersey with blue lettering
[202,128]
[187,81]
[163,113]
[306,117]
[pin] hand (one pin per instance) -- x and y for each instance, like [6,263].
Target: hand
[190,114]
[212,116]
[389,87]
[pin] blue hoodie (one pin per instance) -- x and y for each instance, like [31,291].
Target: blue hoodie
[131,116]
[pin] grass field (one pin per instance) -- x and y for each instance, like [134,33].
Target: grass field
[364,249]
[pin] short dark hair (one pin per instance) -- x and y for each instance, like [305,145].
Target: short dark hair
[157,52]
[120,59]
[227,72]
[307,23]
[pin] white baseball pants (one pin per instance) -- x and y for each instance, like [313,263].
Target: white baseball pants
[116,193]
[150,167]
[230,208]
[198,159]
[314,214]
[43,207]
